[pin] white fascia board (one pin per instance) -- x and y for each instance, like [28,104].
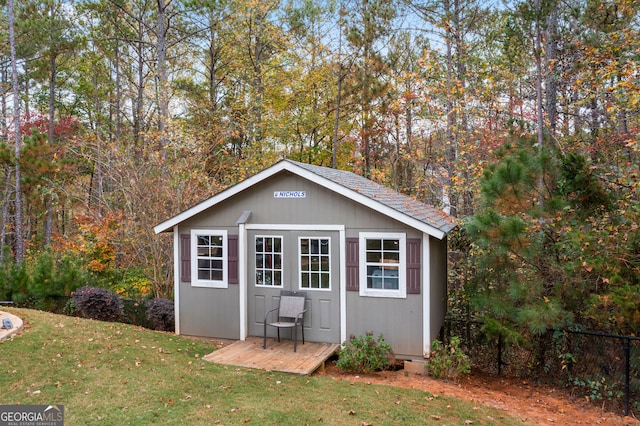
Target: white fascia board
[227,193]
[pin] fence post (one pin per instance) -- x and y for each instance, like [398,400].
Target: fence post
[627,356]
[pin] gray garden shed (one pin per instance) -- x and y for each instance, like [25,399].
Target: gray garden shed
[369,258]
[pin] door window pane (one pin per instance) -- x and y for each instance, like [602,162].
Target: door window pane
[269,261]
[315,261]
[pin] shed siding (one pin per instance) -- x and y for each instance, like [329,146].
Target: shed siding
[438,277]
[209,312]
[398,320]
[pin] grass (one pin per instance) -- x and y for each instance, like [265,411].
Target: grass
[115,374]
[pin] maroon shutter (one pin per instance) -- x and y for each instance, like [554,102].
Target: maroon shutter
[232,259]
[353,270]
[185,258]
[413,265]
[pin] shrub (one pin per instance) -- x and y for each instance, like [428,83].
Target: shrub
[160,313]
[447,361]
[365,354]
[98,303]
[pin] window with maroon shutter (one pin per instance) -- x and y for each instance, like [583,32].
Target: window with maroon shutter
[209,258]
[185,258]
[232,258]
[413,265]
[353,269]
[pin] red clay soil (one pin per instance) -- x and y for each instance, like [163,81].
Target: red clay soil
[531,403]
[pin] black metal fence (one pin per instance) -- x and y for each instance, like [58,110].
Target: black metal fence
[604,368]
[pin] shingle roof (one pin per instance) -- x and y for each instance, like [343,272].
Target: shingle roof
[385,196]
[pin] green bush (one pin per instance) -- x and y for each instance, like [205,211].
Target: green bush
[365,354]
[447,361]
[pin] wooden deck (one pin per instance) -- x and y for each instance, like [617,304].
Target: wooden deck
[277,357]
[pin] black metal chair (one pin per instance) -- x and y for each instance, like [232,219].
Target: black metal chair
[289,314]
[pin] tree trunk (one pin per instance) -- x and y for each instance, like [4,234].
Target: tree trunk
[19,242]
[48,223]
[336,119]
[366,92]
[163,87]
[118,99]
[538,60]
[5,212]
[137,127]
[551,56]
[452,148]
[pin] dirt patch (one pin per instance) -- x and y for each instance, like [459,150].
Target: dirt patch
[529,402]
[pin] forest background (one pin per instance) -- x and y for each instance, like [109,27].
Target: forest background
[519,118]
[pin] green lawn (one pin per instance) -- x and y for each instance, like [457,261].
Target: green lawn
[117,374]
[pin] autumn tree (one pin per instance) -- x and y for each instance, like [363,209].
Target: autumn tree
[369,26]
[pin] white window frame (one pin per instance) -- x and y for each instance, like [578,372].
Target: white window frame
[195,281]
[300,271]
[401,292]
[282,266]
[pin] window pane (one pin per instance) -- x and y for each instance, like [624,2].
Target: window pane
[374,277]
[324,266]
[324,280]
[374,256]
[392,257]
[374,244]
[391,245]
[324,247]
